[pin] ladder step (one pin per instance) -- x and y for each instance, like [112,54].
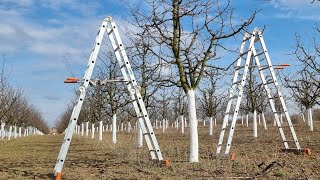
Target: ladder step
[239,67]
[258,54]
[263,68]
[244,53]
[270,81]
[274,97]
[237,82]
[289,141]
[233,97]
[246,39]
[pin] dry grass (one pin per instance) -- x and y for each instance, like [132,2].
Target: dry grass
[34,157]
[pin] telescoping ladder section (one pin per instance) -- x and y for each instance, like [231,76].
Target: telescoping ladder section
[260,59]
[109,26]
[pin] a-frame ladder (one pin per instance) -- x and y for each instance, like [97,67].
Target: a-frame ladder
[253,50]
[110,27]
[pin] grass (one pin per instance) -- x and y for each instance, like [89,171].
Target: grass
[34,157]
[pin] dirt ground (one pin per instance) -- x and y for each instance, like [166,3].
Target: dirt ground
[34,157]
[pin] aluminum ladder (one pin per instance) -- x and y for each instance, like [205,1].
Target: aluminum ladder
[110,27]
[254,51]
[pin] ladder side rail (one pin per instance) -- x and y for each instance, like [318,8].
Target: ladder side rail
[279,93]
[235,78]
[139,97]
[271,101]
[74,117]
[131,90]
[240,93]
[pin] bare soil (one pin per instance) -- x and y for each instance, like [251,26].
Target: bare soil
[34,157]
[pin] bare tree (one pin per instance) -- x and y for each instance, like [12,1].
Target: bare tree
[188,34]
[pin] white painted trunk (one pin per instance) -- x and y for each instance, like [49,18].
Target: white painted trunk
[281,119]
[242,120]
[211,127]
[163,125]
[194,146]
[204,122]
[100,130]
[259,119]
[156,124]
[247,120]
[129,127]
[2,130]
[121,126]
[255,129]
[92,130]
[215,121]
[19,132]
[303,119]
[274,121]
[185,122]
[160,124]
[87,129]
[114,128]
[310,120]
[15,132]
[181,118]
[264,121]
[10,131]
[140,137]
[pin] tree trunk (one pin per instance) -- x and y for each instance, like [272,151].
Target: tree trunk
[182,123]
[129,127]
[140,136]
[255,130]
[310,120]
[100,130]
[163,125]
[194,147]
[304,120]
[247,120]
[15,132]
[2,130]
[92,130]
[87,128]
[211,127]
[19,132]
[114,128]
[9,133]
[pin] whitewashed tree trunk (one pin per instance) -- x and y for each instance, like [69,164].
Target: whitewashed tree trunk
[259,119]
[19,132]
[140,137]
[122,126]
[204,122]
[247,120]
[310,120]
[185,122]
[15,132]
[194,146]
[281,118]
[156,124]
[82,129]
[215,121]
[255,129]
[129,127]
[181,118]
[264,121]
[274,121]
[100,130]
[211,127]
[163,125]
[87,128]
[303,119]
[2,130]
[9,133]
[92,130]
[107,127]
[114,128]
[242,120]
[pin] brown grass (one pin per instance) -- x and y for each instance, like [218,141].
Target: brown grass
[34,157]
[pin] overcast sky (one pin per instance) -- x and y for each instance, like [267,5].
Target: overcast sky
[38,36]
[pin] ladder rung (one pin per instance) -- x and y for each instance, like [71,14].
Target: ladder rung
[270,81]
[117,48]
[244,53]
[289,141]
[258,54]
[233,97]
[111,30]
[239,67]
[274,97]
[246,39]
[263,68]
[237,82]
